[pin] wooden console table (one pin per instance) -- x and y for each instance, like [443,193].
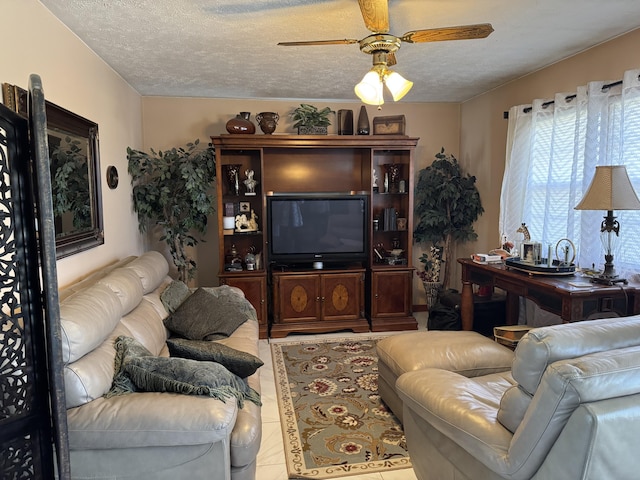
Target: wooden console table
[554,294]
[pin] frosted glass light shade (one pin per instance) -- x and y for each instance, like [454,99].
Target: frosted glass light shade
[369,90]
[397,85]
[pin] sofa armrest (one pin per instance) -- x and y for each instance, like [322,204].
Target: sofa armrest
[144,419]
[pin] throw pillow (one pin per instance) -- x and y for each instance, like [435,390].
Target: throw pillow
[126,349]
[173,296]
[241,363]
[178,375]
[204,316]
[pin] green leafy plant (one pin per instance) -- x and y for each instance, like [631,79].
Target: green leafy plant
[171,190]
[309,116]
[70,183]
[447,203]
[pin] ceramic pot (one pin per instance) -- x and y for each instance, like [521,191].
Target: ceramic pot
[267,121]
[241,124]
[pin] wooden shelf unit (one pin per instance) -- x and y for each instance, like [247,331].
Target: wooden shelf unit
[322,164]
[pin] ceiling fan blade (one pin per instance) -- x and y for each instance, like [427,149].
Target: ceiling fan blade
[463,32]
[391,59]
[375,14]
[346,41]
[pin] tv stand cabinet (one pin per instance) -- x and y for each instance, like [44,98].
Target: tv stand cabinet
[318,301]
[375,296]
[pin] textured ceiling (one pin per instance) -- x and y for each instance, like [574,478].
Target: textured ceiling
[227,48]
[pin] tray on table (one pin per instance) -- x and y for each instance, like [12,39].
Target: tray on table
[557,268]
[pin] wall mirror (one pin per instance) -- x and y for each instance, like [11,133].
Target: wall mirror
[75,174]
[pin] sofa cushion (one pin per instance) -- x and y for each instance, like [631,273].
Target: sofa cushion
[206,316]
[126,284]
[91,376]
[237,362]
[151,267]
[86,320]
[138,370]
[173,296]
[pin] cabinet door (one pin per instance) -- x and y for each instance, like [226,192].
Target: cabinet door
[391,293]
[342,296]
[255,290]
[297,298]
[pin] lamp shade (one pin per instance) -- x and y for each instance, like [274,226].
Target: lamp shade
[610,189]
[369,90]
[397,85]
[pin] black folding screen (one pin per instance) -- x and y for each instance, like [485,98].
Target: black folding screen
[33,433]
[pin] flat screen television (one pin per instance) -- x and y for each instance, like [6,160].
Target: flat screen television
[304,229]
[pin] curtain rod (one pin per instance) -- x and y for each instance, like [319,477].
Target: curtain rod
[568,97]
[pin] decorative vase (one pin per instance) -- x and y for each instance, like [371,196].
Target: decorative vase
[267,121]
[363,121]
[432,289]
[392,177]
[241,124]
[345,122]
[233,178]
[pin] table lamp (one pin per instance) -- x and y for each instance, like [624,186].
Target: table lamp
[610,190]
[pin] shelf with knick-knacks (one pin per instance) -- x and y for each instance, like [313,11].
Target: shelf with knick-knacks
[240,201]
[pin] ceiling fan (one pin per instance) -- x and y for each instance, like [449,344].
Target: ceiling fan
[382,45]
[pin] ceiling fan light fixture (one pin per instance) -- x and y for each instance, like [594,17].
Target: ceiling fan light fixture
[397,85]
[369,90]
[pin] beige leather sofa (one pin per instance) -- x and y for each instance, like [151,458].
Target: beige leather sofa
[569,408]
[145,435]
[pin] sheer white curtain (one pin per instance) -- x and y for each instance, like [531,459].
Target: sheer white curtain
[553,148]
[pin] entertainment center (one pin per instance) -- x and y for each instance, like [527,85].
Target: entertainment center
[317,229]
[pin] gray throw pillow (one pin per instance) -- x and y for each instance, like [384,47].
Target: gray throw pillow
[204,316]
[148,373]
[173,296]
[241,363]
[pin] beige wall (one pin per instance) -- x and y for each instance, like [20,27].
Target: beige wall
[484,130]
[169,122]
[76,79]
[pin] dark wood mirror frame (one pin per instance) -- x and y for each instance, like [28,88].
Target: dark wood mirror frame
[62,125]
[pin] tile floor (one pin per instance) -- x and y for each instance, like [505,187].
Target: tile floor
[271,461]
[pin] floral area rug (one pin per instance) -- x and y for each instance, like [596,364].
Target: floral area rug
[333,421]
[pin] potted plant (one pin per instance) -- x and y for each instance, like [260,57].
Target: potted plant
[311,121]
[171,190]
[447,203]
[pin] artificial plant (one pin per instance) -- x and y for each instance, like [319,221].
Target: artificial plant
[309,116]
[171,189]
[447,203]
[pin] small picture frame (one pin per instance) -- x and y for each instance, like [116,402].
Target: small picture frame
[245,207]
[229,209]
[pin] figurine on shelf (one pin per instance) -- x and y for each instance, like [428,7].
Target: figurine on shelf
[374,176]
[250,183]
[246,224]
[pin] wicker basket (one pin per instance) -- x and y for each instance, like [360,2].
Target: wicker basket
[432,289]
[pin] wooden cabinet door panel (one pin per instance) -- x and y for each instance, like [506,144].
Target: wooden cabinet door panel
[391,293]
[341,296]
[298,298]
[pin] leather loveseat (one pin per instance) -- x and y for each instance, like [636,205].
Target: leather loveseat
[146,435]
[569,408]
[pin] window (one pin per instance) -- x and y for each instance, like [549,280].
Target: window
[553,148]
